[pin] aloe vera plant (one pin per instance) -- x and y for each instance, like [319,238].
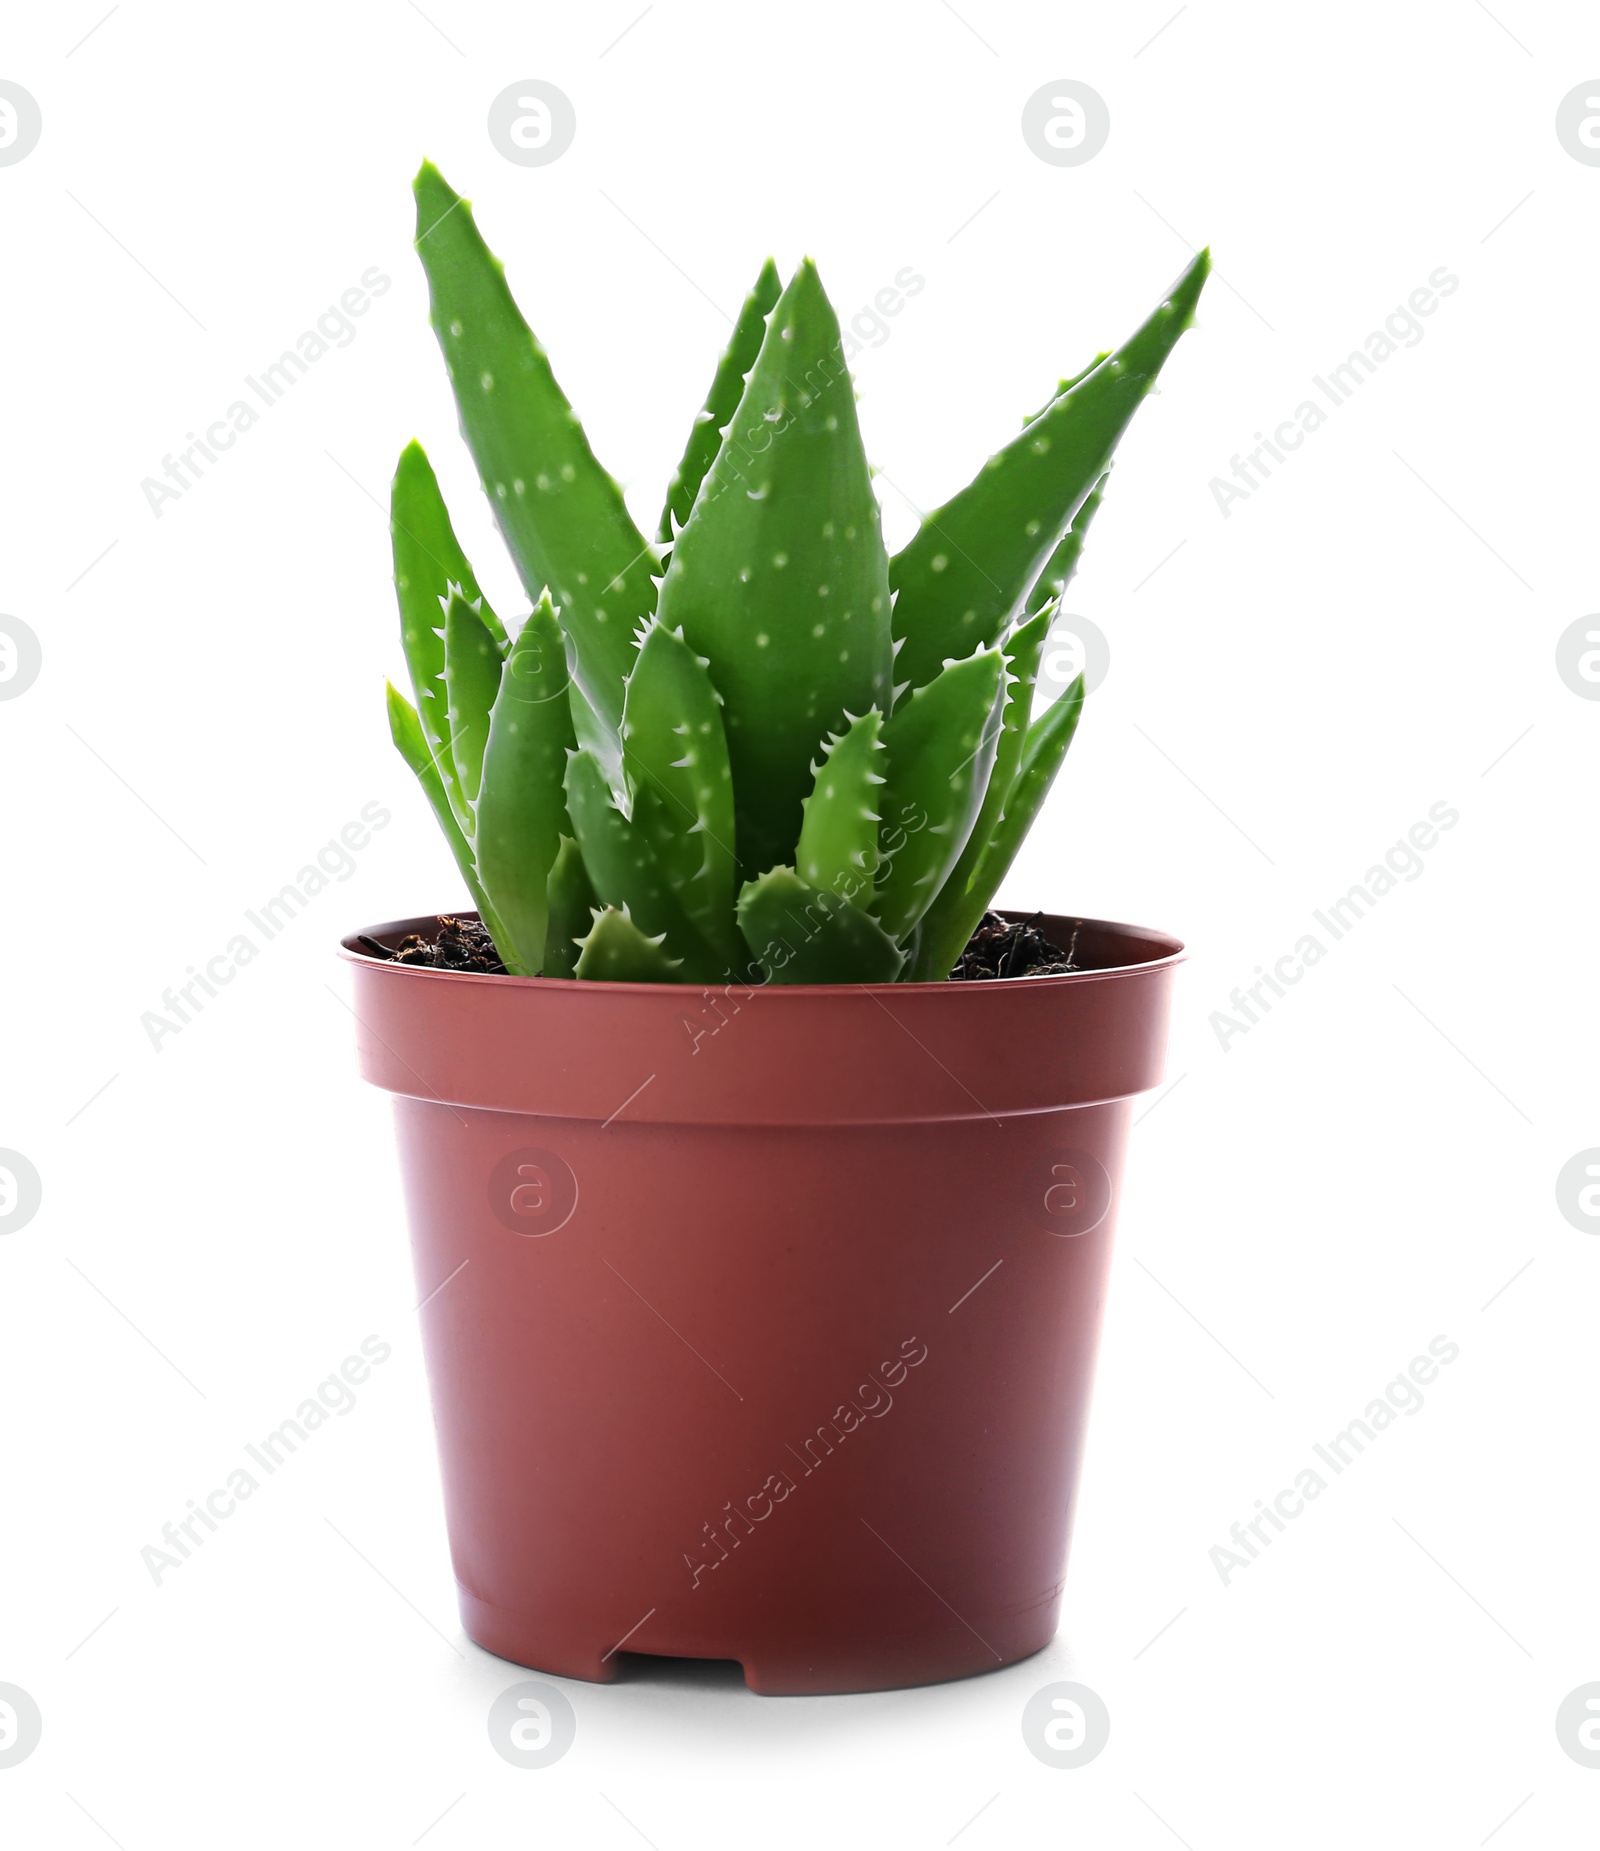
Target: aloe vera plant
[754,746]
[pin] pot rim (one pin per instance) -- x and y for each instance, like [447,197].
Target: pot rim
[1176,953]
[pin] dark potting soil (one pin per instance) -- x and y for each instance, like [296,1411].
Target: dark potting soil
[461,944]
[1012,948]
[999,948]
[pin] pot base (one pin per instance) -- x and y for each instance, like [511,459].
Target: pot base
[835,1668]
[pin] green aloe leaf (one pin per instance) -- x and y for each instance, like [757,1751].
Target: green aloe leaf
[1062,565]
[803,934]
[780,576]
[625,872]
[950,921]
[616,951]
[521,810]
[941,746]
[472,671]
[972,561]
[428,558]
[727,387]
[839,833]
[405,729]
[1044,747]
[572,908]
[429,566]
[1066,385]
[562,515]
[675,755]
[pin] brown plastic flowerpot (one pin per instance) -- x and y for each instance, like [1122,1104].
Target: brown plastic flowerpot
[761,1323]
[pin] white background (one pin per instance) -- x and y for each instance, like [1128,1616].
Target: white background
[1292,686]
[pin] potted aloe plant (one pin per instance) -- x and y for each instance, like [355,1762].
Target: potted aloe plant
[761,1206]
